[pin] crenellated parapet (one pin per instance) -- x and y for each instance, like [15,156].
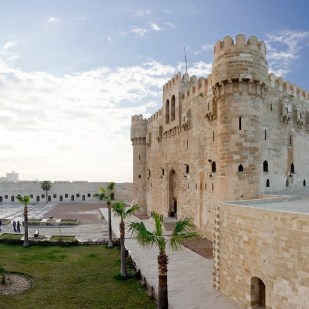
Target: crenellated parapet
[287,88]
[241,43]
[173,81]
[243,59]
[138,129]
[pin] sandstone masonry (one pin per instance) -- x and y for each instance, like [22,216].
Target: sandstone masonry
[239,133]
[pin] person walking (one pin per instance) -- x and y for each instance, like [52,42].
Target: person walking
[14,226]
[18,227]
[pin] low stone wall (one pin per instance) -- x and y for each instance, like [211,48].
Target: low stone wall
[257,247]
[62,191]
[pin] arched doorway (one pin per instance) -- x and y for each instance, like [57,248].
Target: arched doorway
[49,198]
[83,197]
[72,198]
[172,194]
[61,198]
[38,198]
[12,198]
[258,292]
[1,199]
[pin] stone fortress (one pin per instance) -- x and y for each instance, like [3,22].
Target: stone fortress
[237,135]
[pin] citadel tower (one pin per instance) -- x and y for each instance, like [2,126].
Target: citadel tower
[239,83]
[138,139]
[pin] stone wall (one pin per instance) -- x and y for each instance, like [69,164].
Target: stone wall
[261,245]
[64,191]
[236,134]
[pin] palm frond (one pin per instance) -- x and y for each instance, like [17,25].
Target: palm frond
[102,190]
[158,224]
[119,209]
[24,199]
[183,230]
[143,236]
[132,209]
[111,186]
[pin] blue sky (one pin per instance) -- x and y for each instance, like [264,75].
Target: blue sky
[73,72]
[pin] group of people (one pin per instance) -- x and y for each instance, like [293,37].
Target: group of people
[16,226]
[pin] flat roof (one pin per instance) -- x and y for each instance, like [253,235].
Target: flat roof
[288,201]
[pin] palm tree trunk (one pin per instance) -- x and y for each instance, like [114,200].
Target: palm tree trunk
[26,239]
[110,237]
[162,289]
[123,267]
[46,196]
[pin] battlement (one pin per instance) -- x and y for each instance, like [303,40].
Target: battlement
[138,127]
[137,118]
[183,79]
[241,43]
[240,60]
[287,88]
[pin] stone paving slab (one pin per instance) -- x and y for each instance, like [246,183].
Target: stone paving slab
[189,274]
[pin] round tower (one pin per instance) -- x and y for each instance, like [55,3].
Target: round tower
[138,139]
[239,83]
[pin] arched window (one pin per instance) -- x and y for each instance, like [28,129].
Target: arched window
[187,169]
[287,183]
[162,171]
[265,166]
[149,173]
[167,111]
[239,123]
[267,183]
[139,176]
[213,136]
[240,168]
[213,167]
[292,169]
[265,135]
[304,183]
[173,108]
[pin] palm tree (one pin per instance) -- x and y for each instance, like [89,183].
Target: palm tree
[120,209]
[25,200]
[184,229]
[107,194]
[46,185]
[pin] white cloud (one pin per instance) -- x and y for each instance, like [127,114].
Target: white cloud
[142,13]
[9,45]
[171,25]
[155,27]
[139,31]
[199,69]
[52,19]
[76,125]
[283,49]
[7,52]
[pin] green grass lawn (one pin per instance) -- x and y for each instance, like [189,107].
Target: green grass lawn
[13,236]
[70,278]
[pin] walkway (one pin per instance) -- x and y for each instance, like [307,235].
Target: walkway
[189,274]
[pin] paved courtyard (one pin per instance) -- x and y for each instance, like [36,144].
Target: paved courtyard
[189,274]
[92,226]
